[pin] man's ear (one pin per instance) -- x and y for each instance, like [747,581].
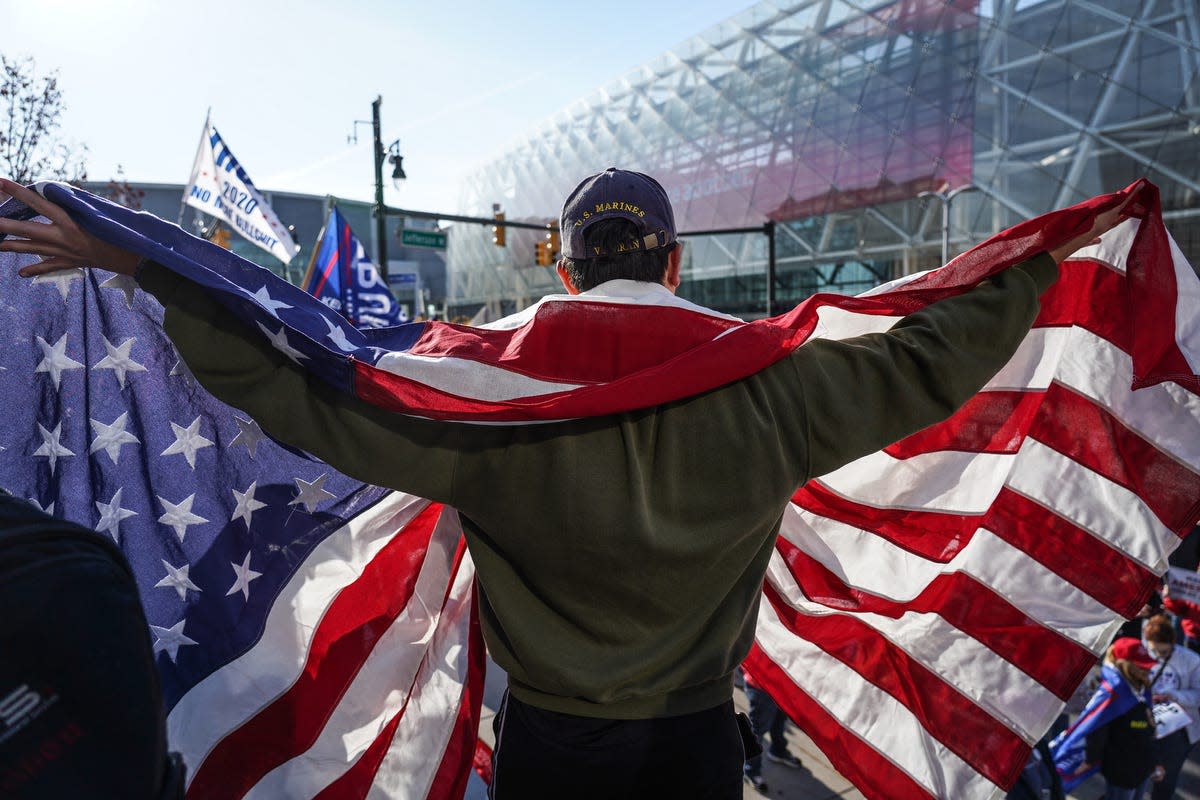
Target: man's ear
[565,278]
[674,259]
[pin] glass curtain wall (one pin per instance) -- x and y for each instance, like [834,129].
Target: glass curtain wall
[831,117]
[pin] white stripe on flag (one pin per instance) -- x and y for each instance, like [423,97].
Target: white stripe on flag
[1103,373]
[1187,326]
[465,378]
[869,713]
[234,693]
[421,738]
[381,686]
[1003,690]
[874,565]
[945,480]
[1092,502]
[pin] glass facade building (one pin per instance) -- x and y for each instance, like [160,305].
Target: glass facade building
[832,117]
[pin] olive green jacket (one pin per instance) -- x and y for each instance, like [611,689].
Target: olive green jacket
[621,558]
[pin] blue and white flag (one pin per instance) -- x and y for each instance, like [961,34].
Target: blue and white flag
[1112,698]
[342,277]
[220,186]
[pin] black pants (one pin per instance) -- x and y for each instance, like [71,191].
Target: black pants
[546,754]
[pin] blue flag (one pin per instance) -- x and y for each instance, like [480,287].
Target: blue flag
[1112,698]
[343,278]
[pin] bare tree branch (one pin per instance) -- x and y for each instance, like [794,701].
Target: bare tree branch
[30,147]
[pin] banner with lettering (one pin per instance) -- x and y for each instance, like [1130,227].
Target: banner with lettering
[1184,584]
[220,187]
[342,277]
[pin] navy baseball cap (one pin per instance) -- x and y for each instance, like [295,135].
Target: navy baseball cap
[617,193]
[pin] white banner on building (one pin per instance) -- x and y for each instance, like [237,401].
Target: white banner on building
[220,187]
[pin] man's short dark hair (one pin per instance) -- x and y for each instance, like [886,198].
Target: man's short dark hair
[636,265]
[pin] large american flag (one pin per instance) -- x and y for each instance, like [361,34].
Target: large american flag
[928,610]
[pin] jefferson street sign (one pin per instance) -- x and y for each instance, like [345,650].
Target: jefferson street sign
[435,240]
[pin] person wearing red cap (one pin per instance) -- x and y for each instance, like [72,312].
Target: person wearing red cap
[1115,733]
[620,559]
[1175,678]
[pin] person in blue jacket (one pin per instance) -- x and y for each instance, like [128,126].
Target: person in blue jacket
[1115,733]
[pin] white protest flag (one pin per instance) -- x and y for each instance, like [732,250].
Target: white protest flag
[220,187]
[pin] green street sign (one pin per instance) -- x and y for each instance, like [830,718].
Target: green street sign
[432,239]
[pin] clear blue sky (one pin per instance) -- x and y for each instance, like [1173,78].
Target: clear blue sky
[460,80]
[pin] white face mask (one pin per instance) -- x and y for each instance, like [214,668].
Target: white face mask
[1160,653]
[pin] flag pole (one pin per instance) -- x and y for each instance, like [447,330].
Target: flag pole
[203,138]
[312,259]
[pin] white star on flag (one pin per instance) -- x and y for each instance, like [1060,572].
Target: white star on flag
[249,434]
[264,298]
[51,447]
[179,516]
[187,441]
[109,438]
[123,282]
[48,509]
[170,639]
[111,515]
[311,494]
[55,359]
[244,576]
[118,360]
[338,336]
[246,504]
[62,279]
[177,579]
[280,342]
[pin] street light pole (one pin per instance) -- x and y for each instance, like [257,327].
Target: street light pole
[379,211]
[946,198]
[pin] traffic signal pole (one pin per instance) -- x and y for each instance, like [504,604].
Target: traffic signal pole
[380,210]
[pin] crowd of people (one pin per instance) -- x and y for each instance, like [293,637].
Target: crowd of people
[1143,717]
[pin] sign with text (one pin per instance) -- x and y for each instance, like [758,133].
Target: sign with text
[1168,718]
[434,240]
[1184,584]
[220,187]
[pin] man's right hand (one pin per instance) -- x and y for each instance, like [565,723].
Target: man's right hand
[1103,224]
[61,243]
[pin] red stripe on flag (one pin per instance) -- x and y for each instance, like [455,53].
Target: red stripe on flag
[361,613]
[1090,435]
[536,349]
[1092,295]
[946,714]
[990,422]
[356,781]
[739,353]
[933,535]
[870,771]
[1086,562]
[325,274]
[1054,661]
[1154,296]
[450,782]
[482,761]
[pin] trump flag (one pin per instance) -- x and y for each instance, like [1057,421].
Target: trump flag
[343,278]
[928,609]
[220,186]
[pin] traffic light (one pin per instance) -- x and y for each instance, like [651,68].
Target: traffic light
[499,228]
[546,251]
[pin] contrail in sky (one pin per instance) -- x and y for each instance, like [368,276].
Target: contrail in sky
[406,127]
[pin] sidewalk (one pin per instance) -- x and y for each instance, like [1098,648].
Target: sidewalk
[817,780]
